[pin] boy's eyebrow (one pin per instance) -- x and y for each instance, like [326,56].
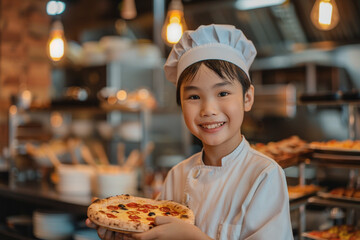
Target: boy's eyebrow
[189,88]
[221,84]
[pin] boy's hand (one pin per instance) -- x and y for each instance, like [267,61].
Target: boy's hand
[104,233]
[171,228]
[107,234]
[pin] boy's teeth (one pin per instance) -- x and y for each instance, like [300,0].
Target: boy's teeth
[211,126]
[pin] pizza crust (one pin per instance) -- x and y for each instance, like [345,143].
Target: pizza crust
[124,224]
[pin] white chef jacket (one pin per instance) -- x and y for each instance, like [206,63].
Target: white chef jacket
[245,198]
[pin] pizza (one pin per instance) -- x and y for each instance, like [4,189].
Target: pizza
[127,214]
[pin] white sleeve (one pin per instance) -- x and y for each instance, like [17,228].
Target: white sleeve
[167,187]
[268,215]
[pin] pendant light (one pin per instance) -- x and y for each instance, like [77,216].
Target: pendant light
[325,14]
[57,43]
[128,9]
[174,25]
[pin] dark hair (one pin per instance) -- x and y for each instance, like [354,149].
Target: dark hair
[224,69]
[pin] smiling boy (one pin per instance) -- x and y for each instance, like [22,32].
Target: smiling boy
[234,191]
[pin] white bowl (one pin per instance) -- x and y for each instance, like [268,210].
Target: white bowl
[113,180]
[82,128]
[76,179]
[105,129]
[130,131]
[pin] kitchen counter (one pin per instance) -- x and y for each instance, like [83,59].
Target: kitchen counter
[45,196]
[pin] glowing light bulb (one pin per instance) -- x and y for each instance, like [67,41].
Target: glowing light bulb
[57,42]
[55,7]
[121,95]
[325,14]
[56,119]
[13,109]
[175,24]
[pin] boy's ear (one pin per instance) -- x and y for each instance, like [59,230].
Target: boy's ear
[249,98]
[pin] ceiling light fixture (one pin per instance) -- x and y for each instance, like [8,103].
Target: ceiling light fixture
[128,9]
[55,7]
[57,42]
[174,25]
[252,4]
[325,14]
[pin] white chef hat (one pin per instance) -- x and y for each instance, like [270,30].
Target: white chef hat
[221,42]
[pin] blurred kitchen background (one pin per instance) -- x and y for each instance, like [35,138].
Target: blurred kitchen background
[104,99]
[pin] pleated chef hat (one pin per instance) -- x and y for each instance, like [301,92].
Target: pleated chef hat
[221,42]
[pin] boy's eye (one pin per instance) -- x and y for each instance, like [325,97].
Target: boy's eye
[223,94]
[193,97]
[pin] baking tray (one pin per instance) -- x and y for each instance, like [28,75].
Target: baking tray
[342,198]
[309,236]
[301,196]
[336,151]
[336,154]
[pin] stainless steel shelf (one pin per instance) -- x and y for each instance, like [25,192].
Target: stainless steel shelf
[332,202]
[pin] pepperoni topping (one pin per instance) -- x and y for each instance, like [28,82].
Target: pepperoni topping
[133,212]
[174,213]
[150,219]
[133,205]
[149,206]
[134,220]
[144,210]
[111,207]
[134,217]
[109,215]
[165,209]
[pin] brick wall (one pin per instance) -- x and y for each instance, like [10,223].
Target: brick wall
[24,31]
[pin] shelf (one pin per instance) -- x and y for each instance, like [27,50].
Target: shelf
[47,197]
[10,235]
[335,164]
[329,102]
[298,202]
[330,202]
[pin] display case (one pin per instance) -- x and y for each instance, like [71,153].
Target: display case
[340,158]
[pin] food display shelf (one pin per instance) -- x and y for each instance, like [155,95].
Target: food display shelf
[332,202]
[328,157]
[334,164]
[328,103]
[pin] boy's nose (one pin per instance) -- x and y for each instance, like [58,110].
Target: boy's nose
[208,108]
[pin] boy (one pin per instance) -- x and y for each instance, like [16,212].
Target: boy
[234,191]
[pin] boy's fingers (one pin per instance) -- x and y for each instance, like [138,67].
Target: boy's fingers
[163,220]
[101,232]
[90,224]
[109,235]
[151,234]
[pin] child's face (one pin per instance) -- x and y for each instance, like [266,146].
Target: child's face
[213,108]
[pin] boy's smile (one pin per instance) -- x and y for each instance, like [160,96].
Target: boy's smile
[213,109]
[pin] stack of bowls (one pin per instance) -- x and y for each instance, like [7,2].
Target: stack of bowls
[75,179]
[52,225]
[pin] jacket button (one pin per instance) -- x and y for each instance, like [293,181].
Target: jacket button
[197,174]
